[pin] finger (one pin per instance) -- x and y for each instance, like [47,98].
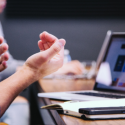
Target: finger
[4,57]
[3,66]
[3,48]
[62,50]
[40,45]
[50,44]
[46,46]
[56,48]
[46,37]
[1,39]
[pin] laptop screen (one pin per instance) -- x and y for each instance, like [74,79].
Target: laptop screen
[111,74]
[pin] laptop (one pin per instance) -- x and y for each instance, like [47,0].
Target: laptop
[110,79]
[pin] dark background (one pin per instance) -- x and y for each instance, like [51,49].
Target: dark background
[83,23]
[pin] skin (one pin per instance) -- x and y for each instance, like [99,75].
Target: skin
[45,62]
[4,55]
[2,5]
[3,47]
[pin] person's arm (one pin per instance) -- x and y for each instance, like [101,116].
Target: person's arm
[47,61]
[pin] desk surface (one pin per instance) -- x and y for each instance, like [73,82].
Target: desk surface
[73,85]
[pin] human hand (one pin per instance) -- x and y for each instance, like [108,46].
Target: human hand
[4,56]
[18,68]
[50,57]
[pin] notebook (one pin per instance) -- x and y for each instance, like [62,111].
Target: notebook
[98,109]
[110,80]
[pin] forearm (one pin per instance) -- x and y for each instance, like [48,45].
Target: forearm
[13,85]
[41,64]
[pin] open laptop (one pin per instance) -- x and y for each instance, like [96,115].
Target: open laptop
[110,80]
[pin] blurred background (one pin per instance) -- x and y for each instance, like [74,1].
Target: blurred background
[83,23]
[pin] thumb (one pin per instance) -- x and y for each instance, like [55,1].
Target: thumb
[55,49]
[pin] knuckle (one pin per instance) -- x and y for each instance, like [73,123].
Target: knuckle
[57,48]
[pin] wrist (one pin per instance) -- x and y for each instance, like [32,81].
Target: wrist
[30,75]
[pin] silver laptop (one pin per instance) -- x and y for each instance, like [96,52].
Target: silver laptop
[110,80]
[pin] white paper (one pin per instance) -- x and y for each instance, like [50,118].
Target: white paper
[88,104]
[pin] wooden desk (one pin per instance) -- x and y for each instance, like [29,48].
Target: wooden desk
[72,85]
[58,85]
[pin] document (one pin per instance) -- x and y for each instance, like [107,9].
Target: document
[72,108]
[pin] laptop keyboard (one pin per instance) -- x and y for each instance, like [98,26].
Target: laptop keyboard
[102,95]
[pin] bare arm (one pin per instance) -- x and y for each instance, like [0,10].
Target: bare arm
[47,61]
